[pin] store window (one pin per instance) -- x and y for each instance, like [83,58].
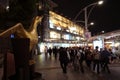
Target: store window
[51,24]
[54,35]
[66,36]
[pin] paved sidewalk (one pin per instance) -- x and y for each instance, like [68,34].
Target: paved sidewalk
[51,70]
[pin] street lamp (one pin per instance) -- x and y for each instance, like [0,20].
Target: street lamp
[86,17]
[87,14]
[92,23]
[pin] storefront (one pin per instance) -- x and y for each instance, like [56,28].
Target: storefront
[109,40]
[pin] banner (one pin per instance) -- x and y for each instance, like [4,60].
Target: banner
[87,35]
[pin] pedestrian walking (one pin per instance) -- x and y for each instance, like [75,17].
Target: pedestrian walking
[81,58]
[105,56]
[63,58]
[50,51]
[88,57]
[96,59]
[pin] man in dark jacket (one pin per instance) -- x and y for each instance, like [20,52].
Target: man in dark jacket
[63,58]
[105,60]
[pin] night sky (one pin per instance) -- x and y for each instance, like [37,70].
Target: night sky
[106,17]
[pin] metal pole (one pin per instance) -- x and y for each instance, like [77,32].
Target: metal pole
[86,23]
[86,20]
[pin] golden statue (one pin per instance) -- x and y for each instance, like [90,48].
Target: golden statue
[19,30]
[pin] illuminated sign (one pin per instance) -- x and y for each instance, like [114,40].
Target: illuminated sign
[98,43]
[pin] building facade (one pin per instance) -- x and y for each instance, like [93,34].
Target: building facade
[61,32]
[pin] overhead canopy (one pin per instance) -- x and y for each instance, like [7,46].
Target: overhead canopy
[107,35]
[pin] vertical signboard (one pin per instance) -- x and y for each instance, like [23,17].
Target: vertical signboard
[87,35]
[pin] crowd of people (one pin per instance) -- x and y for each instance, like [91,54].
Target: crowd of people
[95,59]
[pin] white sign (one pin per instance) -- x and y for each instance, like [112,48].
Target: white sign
[98,43]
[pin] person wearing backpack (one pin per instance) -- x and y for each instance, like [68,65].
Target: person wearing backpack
[96,59]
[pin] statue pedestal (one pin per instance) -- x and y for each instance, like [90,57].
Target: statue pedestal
[21,56]
[16,63]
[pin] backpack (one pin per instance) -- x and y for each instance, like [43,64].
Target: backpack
[97,55]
